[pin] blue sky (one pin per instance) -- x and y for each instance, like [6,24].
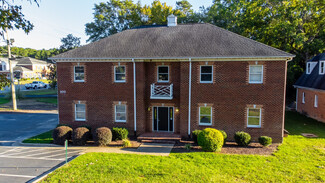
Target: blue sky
[54,19]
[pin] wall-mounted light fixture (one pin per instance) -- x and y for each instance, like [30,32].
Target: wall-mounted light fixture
[149,109]
[177,109]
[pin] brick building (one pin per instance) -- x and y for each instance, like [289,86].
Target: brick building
[311,89]
[174,79]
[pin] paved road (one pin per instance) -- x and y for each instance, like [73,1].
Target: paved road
[26,164]
[18,126]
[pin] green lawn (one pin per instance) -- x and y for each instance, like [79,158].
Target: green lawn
[4,100]
[298,159]
[44,138]
[39,92]
[48,100]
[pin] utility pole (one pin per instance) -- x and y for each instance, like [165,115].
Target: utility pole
[13,92]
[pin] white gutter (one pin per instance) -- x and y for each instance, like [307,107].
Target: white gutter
[134,98]
[296,98]
[189,96]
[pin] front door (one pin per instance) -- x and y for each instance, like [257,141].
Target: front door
[163,119]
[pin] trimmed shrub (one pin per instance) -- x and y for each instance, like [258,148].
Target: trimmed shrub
[265,140]
[80,136]
[86,126]
[103,136]
[242,138]
[120,133]
[60,134]
[225,136]
[195,133]
[210,139]
[126,143]
[63,125]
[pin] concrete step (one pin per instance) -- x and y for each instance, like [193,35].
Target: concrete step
[158,141]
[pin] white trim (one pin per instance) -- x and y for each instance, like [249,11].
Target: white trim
[321,70]
[74,74]
[249,75]
[206,73]
[307,88]
[189,96]
[134,98]
[161,81]
[308,68]
[260,119]
[205,124]
[303,98]
[75,112]
[115,112]
[119,81]
[316,101]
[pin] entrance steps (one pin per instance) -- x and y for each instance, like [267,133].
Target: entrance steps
[159,137]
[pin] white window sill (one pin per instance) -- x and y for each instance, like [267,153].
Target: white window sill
[205,124]
[80,119]
[251,82]
[79,81]
[206,82]
[163,81]
[117,121]
[120,81]
[253,126]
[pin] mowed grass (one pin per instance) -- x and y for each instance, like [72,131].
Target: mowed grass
[4,100]
[39,92]
[298,159]
[48,100]
[44,138]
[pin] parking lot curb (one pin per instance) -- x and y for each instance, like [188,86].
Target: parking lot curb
[45,174]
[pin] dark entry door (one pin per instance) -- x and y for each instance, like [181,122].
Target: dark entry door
[163,119]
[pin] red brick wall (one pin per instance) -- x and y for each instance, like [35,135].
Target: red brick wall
[229,94]
[308,108]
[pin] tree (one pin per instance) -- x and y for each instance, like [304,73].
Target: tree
[4,81]
[11,16]
[70,42]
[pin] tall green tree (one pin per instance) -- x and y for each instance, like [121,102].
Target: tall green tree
[70,42]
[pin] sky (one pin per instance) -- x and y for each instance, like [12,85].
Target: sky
[54,19]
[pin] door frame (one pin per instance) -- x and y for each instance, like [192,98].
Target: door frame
[153,119]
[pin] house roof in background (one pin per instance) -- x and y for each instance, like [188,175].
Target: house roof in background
[314,79]
[181,41]
[21,68]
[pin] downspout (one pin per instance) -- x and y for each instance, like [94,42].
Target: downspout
[296,98]
[134,99]
[189,96]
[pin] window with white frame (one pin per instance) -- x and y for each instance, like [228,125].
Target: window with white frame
[316,101]
[163,74]
[254,117]
[206,73]
[119,74]
[303,97]
[120,113]
[79,73]
[256,74]
[308,69]
[80,112]
[321,67]
[205,116]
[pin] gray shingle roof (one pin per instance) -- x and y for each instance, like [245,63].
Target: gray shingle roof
[187,40]
[314,79]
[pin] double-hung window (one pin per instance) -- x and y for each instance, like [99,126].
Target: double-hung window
[254,117]
[119,74]
[256,74]
[206,74]
[79,73]
[205,116]
[163,74]
[316,101]
[80,112]
[120,113]
[321,67]
[303,97]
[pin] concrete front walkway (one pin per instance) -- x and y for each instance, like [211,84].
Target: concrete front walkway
[144,149]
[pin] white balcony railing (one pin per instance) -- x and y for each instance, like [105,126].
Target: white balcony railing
[161,91]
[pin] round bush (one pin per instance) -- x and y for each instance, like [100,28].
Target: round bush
[103,136]
[195,133]
[210,140]
[120,133]
[60,134]
[225,136]
[80,136]
[265,140]
[242,138]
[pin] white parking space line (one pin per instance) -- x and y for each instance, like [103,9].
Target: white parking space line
[9,151]
[13,175]
[24,152]
[28,157]
[63,154]
[46,152]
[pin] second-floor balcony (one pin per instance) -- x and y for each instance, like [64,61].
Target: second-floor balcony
[161,91]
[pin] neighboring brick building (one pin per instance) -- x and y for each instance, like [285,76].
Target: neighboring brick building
[175,78]
[311,89]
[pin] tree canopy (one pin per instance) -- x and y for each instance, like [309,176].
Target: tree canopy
[70,42]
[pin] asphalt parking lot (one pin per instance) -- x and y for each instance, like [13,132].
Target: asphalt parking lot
[27,164]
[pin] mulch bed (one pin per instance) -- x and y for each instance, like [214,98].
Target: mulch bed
[228,148]
[118,143]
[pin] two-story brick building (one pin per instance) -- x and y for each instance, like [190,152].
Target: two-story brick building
[175,79]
